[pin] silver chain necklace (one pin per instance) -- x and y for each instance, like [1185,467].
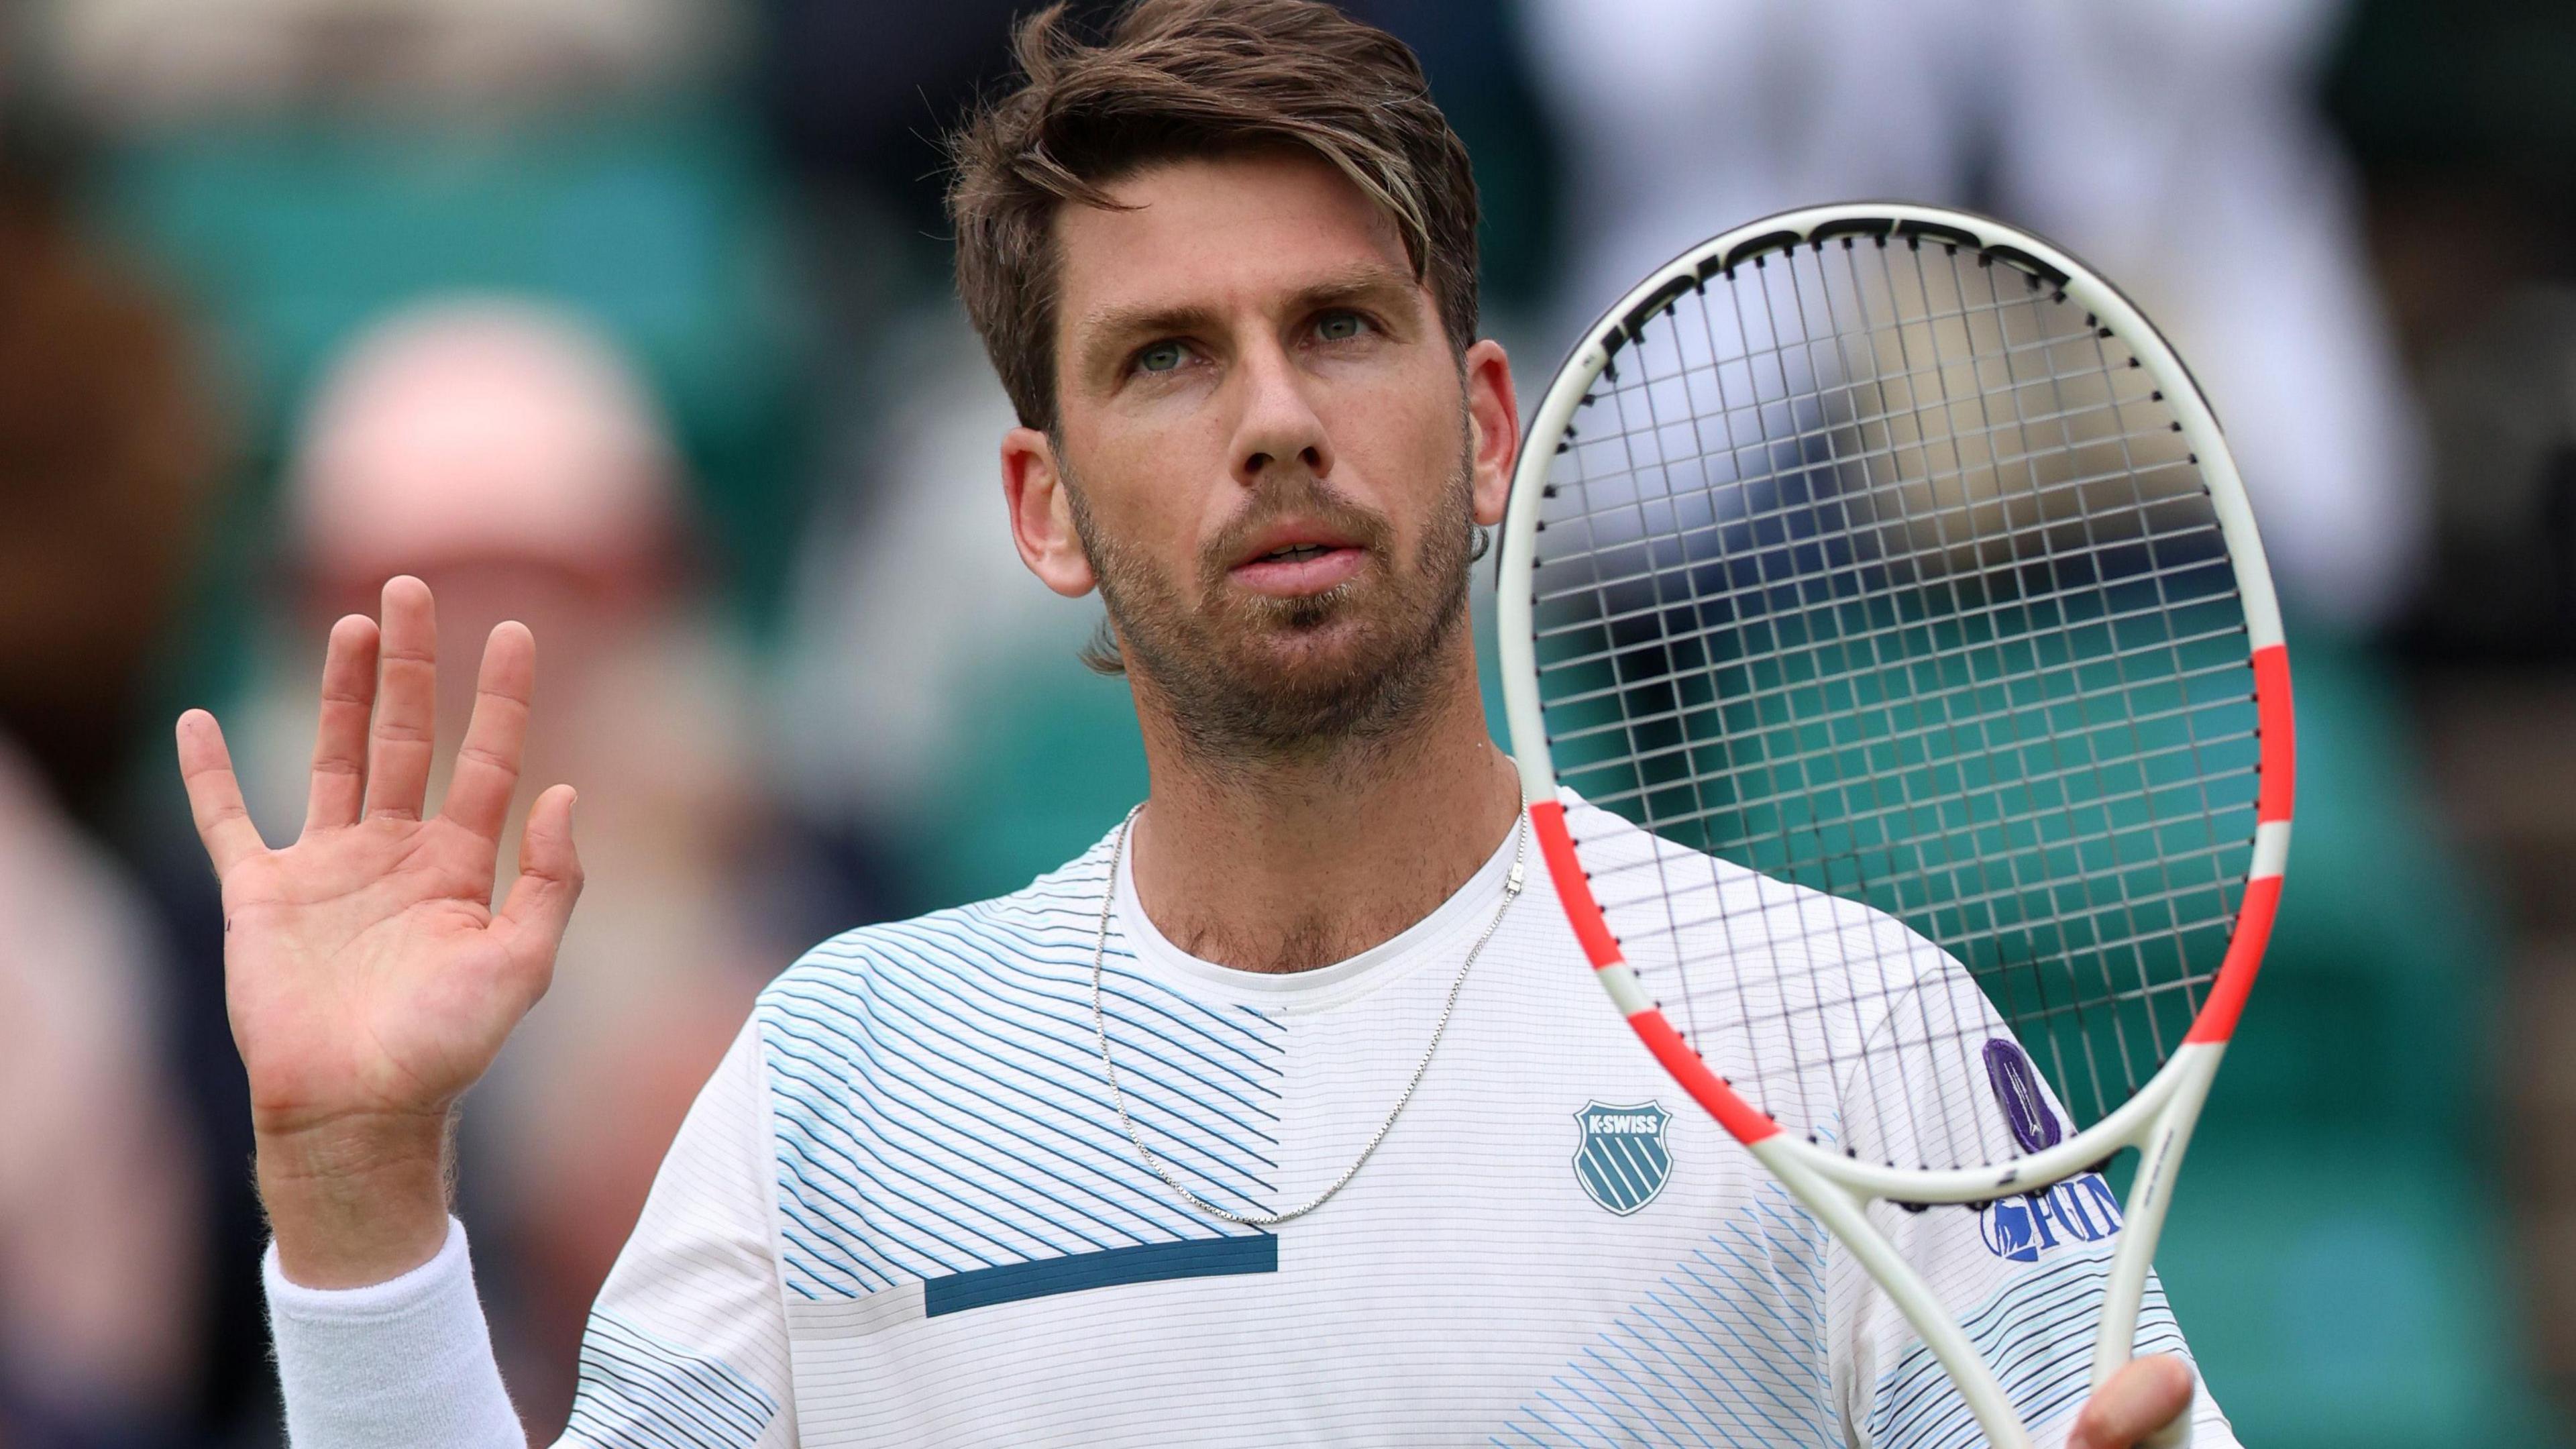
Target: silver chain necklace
[1118,1097]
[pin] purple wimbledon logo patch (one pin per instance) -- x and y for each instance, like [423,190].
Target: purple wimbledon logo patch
[2016,1084]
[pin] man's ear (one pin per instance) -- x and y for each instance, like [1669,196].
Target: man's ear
[1493,427]
[1042,513]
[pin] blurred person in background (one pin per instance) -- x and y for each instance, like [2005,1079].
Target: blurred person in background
[302,167]
[107,456]
[2175,145]
[900,574]
[505,452]
[152,62]
[2458,114]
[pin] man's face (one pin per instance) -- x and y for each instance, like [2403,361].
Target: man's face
[1271,459]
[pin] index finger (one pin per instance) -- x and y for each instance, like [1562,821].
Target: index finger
[214,794]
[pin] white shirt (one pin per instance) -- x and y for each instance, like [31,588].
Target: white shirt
[904,1212]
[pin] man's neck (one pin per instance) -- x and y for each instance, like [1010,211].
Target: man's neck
[1292,863]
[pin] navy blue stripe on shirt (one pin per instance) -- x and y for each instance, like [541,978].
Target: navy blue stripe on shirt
[1146,1263]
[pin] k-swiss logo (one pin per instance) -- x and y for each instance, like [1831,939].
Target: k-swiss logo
[2079,1210]
[1621,1157]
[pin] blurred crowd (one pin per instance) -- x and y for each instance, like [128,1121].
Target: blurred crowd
[630,319]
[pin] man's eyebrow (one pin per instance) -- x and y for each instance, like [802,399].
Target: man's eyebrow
[1368,282]
[1104,326]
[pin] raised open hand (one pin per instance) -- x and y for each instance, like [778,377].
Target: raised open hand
[368,978]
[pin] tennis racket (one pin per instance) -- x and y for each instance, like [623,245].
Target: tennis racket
[1884,556]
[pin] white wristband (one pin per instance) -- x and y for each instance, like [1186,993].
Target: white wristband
[404,1364]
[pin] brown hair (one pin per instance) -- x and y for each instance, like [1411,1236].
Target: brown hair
[1180,78]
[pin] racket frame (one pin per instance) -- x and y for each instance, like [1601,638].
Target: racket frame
[2158,1118]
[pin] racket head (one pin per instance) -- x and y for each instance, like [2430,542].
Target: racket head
[1887,571]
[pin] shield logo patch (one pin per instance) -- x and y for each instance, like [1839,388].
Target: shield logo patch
[1621,1158]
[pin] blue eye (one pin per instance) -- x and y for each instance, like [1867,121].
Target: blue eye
[1161,357]
[1339,326]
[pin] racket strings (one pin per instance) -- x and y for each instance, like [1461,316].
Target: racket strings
[1754,698]
[2055,511]
[1828,423]
[1706,540]
[2187,899]
[1814,402]
[2062,415]
[2025,993]
[2182,844]
[1872,578]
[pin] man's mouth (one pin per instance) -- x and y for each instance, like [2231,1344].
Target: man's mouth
[1298,567]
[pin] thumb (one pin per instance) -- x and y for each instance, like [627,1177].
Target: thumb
[540,902]
[2146,1395]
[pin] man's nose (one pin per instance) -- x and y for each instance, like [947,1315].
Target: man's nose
[1279,426]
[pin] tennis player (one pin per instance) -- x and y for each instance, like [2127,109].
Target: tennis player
[1285,1114]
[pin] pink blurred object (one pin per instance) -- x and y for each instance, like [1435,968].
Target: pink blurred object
[100,1249]
[482,428]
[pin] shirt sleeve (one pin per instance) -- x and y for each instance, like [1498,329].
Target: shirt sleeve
[688,1342]
[393,1365]
[2024,1276]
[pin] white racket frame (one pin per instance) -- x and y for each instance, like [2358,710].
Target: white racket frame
[2158,1120]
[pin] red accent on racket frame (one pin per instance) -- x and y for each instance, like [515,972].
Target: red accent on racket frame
[1739,1117]
[2235,980]
[2280,746]
[2217,1020]
[1746,1122]
[1573,887]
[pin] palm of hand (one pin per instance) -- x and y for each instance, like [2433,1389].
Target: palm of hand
[363,971]
[366,973]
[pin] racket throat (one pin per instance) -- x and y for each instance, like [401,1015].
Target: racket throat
[1846,1213]
[2160,1151]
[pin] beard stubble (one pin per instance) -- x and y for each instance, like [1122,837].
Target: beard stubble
[1247,678]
